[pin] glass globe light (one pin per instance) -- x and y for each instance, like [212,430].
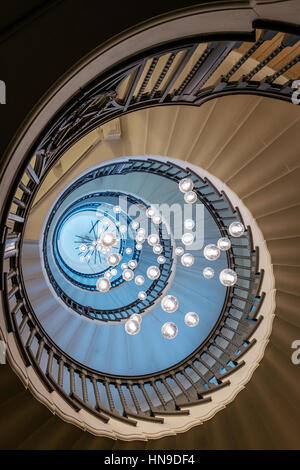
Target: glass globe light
[190,197]
[108,239]
[135,225]
[128,251]
[153,272]
[236,229]
[91,248]
[140,238]
[187,238]
[105,221]
[211,252]
[187,260]
[186,185]
[191,319]
[117,209]
[114,272]
[169,330]
[228,277]
[127,274]
[132,326]
[105,250]
[103,284]
[123,229]
[114,259]
[157,249]
[189,224]
[88,257]
[208,272]
[107,275]
[224,244]
[142,295]
[132,264]
[124,266]
[169,304]
[179,250]
[139,280]
[136,317]
[161,259]
[83,248]
[138,246]
[150,212]
[157,219]
[153,239]
[99,247]
[141,231]
[81,258]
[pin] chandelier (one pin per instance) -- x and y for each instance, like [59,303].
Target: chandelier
[106,243]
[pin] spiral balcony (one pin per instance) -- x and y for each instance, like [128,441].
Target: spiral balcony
[157,98]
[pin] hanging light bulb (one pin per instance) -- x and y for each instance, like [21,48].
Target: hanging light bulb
[139,280]
[140,238]
[83,248]
[108,239]
[117,209]
[105,250]
[118,223]
[114,272]
[132,326]
[123,229]
[114,259]
[186,185]
[153,239]
[211,252]
[127,274]
[179,250]
[88,257]
[236,229]
[124,266]
[191,319]
[169,303]
[141,231]
[105,221]
[189,224]
[228,277]
[169,330]
[91,248]
[107,275]
[135,225]
[224,243]
[150,212]
[187,260]
[128,251]
[94,243]
[132,264]
[103,284]
[190,197]
[81,258]
[157,219]
[187,238]
[157,249]
[136,317]
[153,272]
[161,259]
[142,295]
[208,272]
[138,246]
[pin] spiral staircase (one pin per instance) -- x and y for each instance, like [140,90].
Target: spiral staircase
[240,134]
